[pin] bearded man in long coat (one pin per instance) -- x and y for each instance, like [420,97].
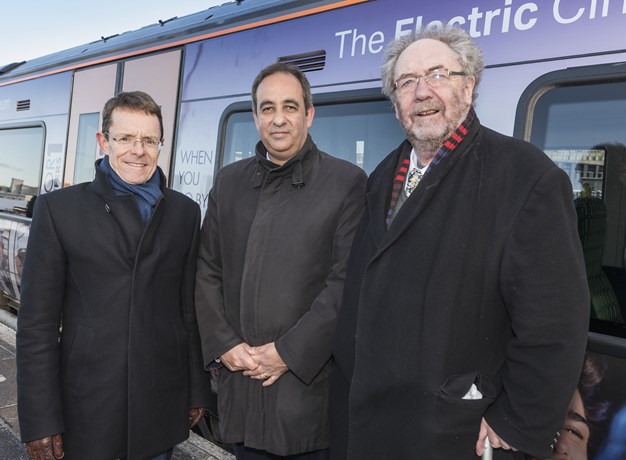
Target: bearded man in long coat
[466,305]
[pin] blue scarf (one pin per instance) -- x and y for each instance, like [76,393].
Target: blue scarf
[146,195]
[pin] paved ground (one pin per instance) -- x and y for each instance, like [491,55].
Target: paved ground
[10,446]
[195,448]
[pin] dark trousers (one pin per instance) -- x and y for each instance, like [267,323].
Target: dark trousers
[246,453]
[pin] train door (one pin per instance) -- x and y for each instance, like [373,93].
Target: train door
[92,88]
[157,75]
[578,117]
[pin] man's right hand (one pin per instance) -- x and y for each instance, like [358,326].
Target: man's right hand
[48,448]
[238,358]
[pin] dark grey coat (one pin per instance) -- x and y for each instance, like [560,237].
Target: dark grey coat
[120,377]
[479,279]
[272,261]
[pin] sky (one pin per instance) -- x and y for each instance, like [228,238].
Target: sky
[34,28]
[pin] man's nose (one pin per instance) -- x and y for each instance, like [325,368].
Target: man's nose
[138,147]
[279,118]
[422,89]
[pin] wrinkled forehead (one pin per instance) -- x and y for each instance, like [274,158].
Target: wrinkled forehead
[131,121]
[425,55]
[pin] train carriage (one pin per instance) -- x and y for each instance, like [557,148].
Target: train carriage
[555,75]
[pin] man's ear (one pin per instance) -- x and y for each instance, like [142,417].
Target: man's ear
[102,142]
[309,116]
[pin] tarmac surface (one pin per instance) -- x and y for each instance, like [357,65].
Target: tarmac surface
[195,448]
[10,446]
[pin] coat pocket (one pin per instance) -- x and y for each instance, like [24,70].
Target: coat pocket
[170,357]
[75,357]
[457,416]
[458,386]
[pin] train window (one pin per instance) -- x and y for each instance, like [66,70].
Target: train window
[360,132]
[21,153]
[582,128]
[86,147]
[241,137]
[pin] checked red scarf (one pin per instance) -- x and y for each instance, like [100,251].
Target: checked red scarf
[404,162]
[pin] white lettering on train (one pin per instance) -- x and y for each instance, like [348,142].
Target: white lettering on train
[374,42]
[481,23]
[582,12]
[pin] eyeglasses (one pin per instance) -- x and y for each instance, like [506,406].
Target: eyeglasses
[149,143]
[434,79]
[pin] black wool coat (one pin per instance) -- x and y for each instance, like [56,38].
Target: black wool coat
[273,252]
[479,279]
[119,377]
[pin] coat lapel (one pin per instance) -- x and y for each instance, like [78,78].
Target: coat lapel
[423,194]
[379,194]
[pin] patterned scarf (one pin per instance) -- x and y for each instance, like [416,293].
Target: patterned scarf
[398,184]
[446,149]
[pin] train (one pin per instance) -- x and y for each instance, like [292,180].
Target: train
[555,75]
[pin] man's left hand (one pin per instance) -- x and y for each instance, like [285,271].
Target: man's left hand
[195,415]
[495,440]
[271,365]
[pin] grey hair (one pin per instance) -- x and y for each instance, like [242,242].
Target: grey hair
[469,55]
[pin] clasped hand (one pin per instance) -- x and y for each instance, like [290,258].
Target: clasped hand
[260,363]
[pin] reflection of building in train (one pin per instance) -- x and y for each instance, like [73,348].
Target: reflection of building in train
[16,186]
[8,202]
[13,239]
[14,197]
[582,166]
[5,280]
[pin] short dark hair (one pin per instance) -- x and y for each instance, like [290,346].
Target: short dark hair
[134,101]
[281,67]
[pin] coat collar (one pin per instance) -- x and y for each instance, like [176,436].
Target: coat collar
[293,167]
[127,216]
[102,184]
[379,194]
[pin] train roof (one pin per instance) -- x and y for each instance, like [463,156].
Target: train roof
[166,31]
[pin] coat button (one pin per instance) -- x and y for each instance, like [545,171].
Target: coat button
[107,208]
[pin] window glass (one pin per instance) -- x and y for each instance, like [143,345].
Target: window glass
[86,147]
[241,137]
[360,132]
[583,129]
[21,153]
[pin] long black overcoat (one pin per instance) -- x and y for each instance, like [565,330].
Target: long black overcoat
[120,376]
[479,279]
[273,252]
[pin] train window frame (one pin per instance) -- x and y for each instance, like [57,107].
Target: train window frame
[42,151]
[319,99]
[604,336]
[85,140]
